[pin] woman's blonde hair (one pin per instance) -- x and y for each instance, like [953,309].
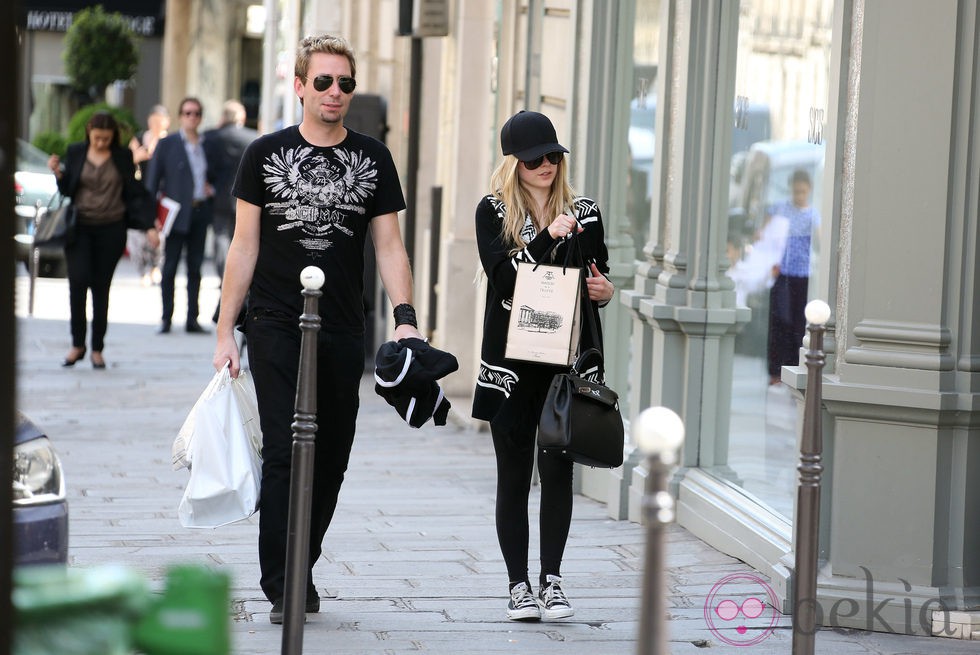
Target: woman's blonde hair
[505,185]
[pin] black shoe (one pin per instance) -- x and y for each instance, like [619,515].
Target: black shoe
[276,614]
[164,328]
[193,327]
[79,354]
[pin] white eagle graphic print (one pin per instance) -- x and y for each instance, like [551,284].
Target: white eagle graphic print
[315,194]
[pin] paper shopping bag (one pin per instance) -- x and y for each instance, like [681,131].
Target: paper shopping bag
[544,314]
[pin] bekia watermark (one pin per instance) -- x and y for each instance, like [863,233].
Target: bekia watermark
[740,610]
[734,602]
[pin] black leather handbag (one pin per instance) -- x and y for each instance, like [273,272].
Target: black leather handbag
[57,225]
[580,419]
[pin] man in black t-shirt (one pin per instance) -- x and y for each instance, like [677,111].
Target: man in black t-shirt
[308,195]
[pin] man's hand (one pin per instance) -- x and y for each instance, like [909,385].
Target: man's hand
[406,331]
[226,351]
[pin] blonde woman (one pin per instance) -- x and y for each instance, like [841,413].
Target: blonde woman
[530,206]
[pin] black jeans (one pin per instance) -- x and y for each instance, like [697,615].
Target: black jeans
[173,246]
[273,355]
[514,432]
[91,260]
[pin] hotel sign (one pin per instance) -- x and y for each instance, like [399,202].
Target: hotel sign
[146,17]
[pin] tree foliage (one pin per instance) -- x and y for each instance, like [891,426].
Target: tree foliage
[51,142]
[100,48]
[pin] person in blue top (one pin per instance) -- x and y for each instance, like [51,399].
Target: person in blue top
[788,296]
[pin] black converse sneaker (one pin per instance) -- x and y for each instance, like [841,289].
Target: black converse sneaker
[554,604]
[522,605]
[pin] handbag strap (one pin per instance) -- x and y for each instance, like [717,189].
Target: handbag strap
[591,311]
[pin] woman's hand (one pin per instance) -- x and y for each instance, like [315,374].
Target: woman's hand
[153,238]
[600,288]
[54,163]
[562,226]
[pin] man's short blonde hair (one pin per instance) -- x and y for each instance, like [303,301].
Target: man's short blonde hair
[326,44]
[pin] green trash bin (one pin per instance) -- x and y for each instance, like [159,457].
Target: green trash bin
[63,611]
[191,618]
[110,611]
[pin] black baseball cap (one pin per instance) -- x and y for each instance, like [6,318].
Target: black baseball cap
[528,135]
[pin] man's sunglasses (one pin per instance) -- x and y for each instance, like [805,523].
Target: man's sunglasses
[553,157]
[323,82]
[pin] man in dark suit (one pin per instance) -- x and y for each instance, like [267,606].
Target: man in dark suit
[179,171]
[223,148]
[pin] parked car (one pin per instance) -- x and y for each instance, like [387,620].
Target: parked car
[34,187]
[40,511]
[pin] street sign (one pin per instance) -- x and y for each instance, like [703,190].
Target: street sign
[430,18]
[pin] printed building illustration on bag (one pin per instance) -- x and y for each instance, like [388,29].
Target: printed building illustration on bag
[532,320]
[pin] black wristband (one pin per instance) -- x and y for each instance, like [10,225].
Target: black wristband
[405,315]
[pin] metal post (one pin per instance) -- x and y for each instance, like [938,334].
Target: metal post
[658,432]
[301,472]
[35,260]
[808,492]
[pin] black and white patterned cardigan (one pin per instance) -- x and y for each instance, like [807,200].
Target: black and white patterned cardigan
[498,377]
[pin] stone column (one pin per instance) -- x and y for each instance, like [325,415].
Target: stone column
[903,403]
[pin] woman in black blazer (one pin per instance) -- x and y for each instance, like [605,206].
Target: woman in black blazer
[100,178]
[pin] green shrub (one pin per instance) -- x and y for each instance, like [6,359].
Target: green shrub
[51,142]
[127,123]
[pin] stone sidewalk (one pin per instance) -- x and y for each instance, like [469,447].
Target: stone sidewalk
[411,562]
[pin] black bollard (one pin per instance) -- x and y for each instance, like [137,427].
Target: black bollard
[808,492]
[658,432]
[301,472]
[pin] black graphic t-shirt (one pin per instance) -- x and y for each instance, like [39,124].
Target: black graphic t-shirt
[316,205]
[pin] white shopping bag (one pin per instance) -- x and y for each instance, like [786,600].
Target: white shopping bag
[224,453]
[545,314]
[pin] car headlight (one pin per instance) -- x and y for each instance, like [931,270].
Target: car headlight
[38,477]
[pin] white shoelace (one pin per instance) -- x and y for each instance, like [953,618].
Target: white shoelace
[521,597]
[553,595]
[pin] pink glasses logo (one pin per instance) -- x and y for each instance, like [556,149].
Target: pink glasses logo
[740,609]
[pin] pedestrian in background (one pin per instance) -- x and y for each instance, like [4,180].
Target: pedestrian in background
[308,195]
[789,292]
[224,147]
[99,176]
[179,170]
[147,258]
[530,206]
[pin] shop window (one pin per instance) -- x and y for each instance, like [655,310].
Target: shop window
[777,164]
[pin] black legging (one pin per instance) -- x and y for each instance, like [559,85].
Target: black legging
[514,443]
[92,257]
